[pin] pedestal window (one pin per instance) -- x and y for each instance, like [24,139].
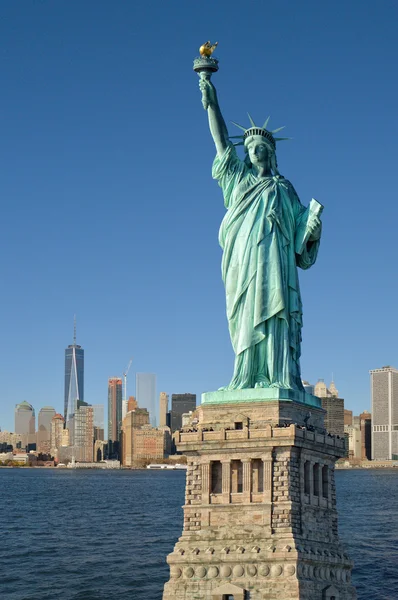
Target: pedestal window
[325,481]
[216,477]
[316,479]
[307,477]
[236,477]
[257,476]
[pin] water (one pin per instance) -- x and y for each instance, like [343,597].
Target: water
[96,535]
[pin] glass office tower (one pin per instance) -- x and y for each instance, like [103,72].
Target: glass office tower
[74,378]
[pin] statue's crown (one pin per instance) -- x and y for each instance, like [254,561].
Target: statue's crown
[260,131]
[255,130]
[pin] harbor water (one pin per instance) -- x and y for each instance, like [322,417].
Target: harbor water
[104,535]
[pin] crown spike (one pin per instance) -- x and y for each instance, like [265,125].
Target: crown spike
[279,129]
[235,137]
[237,125]
[251,121]
[266,122]
[281,139]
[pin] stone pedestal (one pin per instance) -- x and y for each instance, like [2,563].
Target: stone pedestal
[260,519]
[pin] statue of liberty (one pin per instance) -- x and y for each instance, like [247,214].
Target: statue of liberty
[265,235]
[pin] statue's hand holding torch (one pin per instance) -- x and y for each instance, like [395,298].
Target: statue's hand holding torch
[205,65]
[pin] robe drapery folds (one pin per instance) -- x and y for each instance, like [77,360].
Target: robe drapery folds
[259,235]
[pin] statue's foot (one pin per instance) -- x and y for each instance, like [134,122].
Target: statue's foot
[261,384]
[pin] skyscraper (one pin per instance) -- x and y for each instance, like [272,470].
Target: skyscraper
[134,419]
[384,392]
[114,408]
[44,429]
[366,434]
[334,406]
[163,408]
[57,428]
[146,394]
[74,377]
[25,422]
[84,433]
[180,404]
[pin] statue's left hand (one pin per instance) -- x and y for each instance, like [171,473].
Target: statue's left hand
[314,227]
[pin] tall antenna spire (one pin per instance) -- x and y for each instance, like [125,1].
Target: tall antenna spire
[74,330]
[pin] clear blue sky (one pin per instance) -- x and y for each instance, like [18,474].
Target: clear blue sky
[108,206]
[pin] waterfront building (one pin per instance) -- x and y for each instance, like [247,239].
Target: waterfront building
[100,450]
[146,393]
[150,443]
[163,408]
[384,394]
[180,404]
[11,439]
[365,419]
[114,409]
[84,433]
[74,378]
[353,435]
[56,433]
[334,418]
[25,423]
[334,406]
[133,420]
[43,436]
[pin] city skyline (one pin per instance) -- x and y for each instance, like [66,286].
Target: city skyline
[101,410]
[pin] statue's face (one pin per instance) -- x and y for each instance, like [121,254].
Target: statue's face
[257,150]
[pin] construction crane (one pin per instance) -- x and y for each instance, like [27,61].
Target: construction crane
[125,379]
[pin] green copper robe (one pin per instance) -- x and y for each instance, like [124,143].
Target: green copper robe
[260,236]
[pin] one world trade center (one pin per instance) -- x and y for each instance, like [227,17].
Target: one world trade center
[74,378]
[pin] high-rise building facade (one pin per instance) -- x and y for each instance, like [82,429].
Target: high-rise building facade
[146,394]
[84,433]
[150,443]
[74,378]
[24,418]
[57,429]
[114,408]
[25,423]
[334,406]
[384,393]
[163,408]
[134,419]
[180,404]
[43,435]
[365,419]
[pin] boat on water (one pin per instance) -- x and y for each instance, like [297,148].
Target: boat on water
[176,467]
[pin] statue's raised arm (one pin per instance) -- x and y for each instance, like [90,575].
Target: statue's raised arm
[218,129]
[205,65]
